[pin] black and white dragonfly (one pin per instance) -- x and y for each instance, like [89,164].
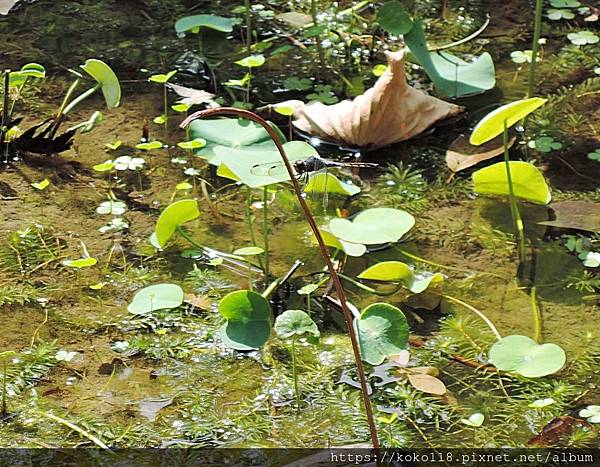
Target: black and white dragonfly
[304,168]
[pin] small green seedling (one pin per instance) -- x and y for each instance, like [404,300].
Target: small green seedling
[250,62]
[293,324]
[106,81]
[114,146]
[595,155]
[545,144]
[163,79]
[307,290]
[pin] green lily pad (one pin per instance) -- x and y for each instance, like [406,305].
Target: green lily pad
[106,78]
[195,22]
[322,182]
[492,124]
[296,323]
[250,165]
[451,76]
[528,182]
[230,133]
[156,297]
[525,357]
[373,226]
[382,330]
[393,18]
[351,249]
[248,316]
[396,271]
[172,217]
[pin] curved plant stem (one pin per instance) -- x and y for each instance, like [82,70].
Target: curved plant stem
[322,247]
[250,220]
[477,312]
[266,229]
[514,207]
[537,30]
[5,114]
[248,26]
[295,372]
[4,383]
[537,317]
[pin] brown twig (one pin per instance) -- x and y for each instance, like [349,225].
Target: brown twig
[323,248]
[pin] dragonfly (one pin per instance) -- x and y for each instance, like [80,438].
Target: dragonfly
[304,167]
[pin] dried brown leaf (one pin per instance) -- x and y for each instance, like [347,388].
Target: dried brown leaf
[579,215]
[191,96]
[6,6]
[389,112]
[461,154]
[427,383]
[198,301]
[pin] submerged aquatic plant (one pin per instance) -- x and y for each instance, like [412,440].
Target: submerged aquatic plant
[322,247]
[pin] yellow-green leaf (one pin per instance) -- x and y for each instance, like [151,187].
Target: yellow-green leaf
[492,124]
[41,185]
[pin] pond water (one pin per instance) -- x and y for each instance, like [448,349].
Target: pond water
[165,378]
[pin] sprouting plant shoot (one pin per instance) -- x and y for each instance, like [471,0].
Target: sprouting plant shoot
[163,79]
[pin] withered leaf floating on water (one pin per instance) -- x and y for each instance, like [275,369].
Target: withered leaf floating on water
[6,6]
[389,112]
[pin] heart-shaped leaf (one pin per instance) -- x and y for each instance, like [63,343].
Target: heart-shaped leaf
[172,217]
[528,182]
[396,271]
[156,297]
[523,355]
[248,316]
[382,330]
[373,226]
[106,78]
[296,323]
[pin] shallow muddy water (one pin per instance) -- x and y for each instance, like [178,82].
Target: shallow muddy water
[166,379]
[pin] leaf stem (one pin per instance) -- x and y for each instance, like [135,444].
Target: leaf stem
[295,372]
[537,30]
[537,317]
[514,207]
[266,229]
[479,313]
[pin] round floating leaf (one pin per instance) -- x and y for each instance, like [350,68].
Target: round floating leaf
[105,76]
[492,124]
[193,144]
[296,323]
[541,403]
[248,316]
[373,226]
[524,356]
[528,182]
[592,413]
[475,420]
[80,263]
[195,22]
[149,146]
[156,297]
[393,18]
[351,249]
[382,331]
[249,251]
[172,217]
[325,182]
[396,271]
